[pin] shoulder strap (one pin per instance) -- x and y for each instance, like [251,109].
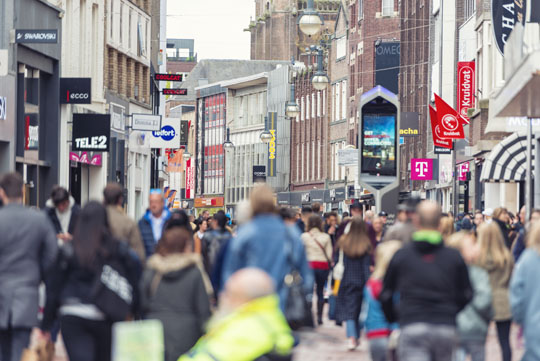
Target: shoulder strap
[322,248]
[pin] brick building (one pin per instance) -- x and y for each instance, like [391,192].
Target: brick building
[414,89]
[371,24]
[275,34]
[338,70]
[309,135]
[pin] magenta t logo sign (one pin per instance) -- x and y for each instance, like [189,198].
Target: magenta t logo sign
[422,169]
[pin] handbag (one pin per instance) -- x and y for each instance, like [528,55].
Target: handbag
[339,268]
[113,292]
[297,308]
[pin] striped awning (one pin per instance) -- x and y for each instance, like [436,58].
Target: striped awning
[507,161]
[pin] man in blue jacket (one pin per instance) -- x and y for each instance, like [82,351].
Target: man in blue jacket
[267,243]
[152,223]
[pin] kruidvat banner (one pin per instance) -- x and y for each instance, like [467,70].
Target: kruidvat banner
[449,121]
[466,88]
[422,169]
[436,132]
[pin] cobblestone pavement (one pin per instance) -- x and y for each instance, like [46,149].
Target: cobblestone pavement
[328,343]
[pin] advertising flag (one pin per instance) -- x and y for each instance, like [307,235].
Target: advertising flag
[449,121]
[175,163]
[436,131]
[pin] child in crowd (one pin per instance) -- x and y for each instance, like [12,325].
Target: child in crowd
[473,321]
[378,329]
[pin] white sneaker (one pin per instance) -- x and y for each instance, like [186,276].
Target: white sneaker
[353,344]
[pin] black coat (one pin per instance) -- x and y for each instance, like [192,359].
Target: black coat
[51,214]
[432,282]
[175,291]
[351,289]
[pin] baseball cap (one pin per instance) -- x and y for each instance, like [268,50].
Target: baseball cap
[383,214]
[356,205]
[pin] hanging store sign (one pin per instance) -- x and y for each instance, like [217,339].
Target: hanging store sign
[209,202]
[450,123]
[259,174]
[441,150]
[168,136]
[85,158]
[422,169]
[463,169]
[32,131]
[36,36]
[75,90]
[272,146]
[439,142]
[149,122]
[505,14]
[190,180]
[409,125]
[118,119]
[168,77]
[174,91]
[466,87]
[347,157]
[91,132]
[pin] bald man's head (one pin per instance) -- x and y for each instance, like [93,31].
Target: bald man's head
[429,215]
[245,286]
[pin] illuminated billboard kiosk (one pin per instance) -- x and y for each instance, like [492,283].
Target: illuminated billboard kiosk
[379,149]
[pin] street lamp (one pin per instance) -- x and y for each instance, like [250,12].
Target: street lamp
[186,155]
[310,22]
[291,108]
[320,78]
[266,136]
[228,144]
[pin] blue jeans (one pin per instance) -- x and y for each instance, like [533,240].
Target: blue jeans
[353,328]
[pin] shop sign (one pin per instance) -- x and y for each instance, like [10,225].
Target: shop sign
[75,90]
[175,91]
[347,157]
[505,14]
[3,108]
[422,169]
[259,174]
[118,119]
[190,180]
[168,136]
[272,146]
[84,158]
[409,125]
[466,87]
[32,132]
[149,122]
[209,202]
[168,77]
[463,169]
[441,150]
[36,36]
[91,132]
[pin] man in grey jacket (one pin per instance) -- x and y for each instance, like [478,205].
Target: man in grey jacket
[28,247]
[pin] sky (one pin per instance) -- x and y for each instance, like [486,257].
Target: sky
[216,25]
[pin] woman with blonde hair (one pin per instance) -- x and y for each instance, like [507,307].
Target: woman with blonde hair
[378,329]
[355,253]
[525,294]
[497,260]
[446,227]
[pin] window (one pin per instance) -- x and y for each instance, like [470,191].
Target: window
[470,8]
[319,160]
[302,108]
[333,110]
[344,99]
[313,105]
[308,168]
[319,104]
[360,9]
[302,163]
[387,7]
[313,160]
[324,102]
[308,111]
[297,155]
[338,101]
[298,116]
[341,48]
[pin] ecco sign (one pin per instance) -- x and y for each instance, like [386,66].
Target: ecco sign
[75,90]
[91,132]
[168,136]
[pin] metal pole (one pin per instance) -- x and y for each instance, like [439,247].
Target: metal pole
[455,195]
[528,179]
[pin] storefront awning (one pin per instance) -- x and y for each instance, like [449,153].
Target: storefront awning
[507,161]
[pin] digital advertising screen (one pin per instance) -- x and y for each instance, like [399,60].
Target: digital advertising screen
[379,144]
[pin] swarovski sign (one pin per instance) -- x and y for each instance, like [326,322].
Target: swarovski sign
[36,36]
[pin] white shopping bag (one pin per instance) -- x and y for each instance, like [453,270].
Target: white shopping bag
[138,341]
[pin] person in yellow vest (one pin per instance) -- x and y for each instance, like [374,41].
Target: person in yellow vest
[249,324]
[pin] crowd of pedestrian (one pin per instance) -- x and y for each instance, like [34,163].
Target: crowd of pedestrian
[426,287]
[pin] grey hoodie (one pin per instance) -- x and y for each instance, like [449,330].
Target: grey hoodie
[473,321]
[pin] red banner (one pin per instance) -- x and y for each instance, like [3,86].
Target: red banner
[436,130]
[466,88]
[449,121]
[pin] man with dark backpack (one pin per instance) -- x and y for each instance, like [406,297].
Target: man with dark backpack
[214,248]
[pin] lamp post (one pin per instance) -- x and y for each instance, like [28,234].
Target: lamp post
[266,136]
[310,22]
[228,144]
[291,107]
[320,78]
